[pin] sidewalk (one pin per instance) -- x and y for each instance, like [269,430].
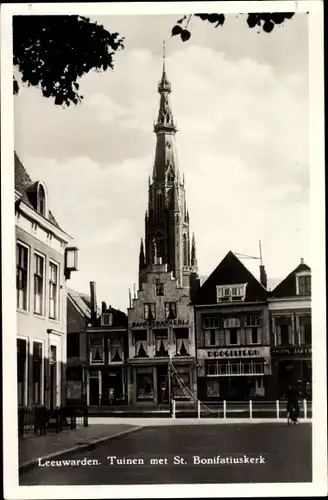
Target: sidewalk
[157,422]
[51,445]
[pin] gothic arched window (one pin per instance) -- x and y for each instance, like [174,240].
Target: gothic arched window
[185,250]
[41,200]
[159,205]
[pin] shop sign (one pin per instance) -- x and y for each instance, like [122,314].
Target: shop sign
[235,353]
[291,351]
[167,322]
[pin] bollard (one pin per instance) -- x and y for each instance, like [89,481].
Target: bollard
[198,409]
[250,409]
[173,408]
[305,408]
[277,408]
[224,409]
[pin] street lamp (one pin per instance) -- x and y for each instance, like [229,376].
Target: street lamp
[71,261]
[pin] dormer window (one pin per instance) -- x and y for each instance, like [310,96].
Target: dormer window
[41,200]
[231,293]
[303,284]
[107,319]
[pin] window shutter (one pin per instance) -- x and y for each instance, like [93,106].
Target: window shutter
[278,335]
[248,335]
[260,336]
[222,338]
[207,338]
[242,336]
[227,337]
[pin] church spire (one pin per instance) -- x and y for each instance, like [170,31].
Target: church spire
[141,256]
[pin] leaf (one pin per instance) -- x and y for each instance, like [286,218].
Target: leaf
[213,18]
[268,26]
[176,30]
[181,20]
[185,35]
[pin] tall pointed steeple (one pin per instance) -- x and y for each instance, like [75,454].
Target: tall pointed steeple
[193,251]
[167,217]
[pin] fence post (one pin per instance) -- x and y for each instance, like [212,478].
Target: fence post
[224,409]
[250,409]
[277,408]
[305,408]
[173,408]
[198,409]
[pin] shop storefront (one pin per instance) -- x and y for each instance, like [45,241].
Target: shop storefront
[291,366]
[233,374]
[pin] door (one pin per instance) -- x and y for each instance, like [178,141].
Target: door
[94,391]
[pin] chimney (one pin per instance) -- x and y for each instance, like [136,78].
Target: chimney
[93,298]
[103,307]
[302,260]
[263,276]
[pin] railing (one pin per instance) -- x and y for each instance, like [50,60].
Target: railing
[39,420]
[236,409]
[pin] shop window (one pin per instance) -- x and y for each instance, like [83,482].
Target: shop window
[38,283]
[145,386]
[170,310]
[97,352]
[305,330]
[161,343]
[180,384]
[149,312]
[304,285]
[73,345]
[37,372]
[235,368]
[140,341]
[115,350]
[182,341]
[21,276]
[213,388]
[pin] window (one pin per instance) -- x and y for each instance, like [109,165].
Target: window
[255,335]
[41,207]
[97,351]
[37,372]
[170,310]
[304,285]
[284,334]
[115,350]
[107,319]
[182,341]
[305,330]
[212,322]
[140,340]
[53,290]
[230,293]
[149,312]
[233,367]
[253,320]
[283,330]
[185,250]
[161,343]
[145,384]
[21,276]
[233,339]
[160,289]
[73,345]
[38,283]
[231,323]
[21,370]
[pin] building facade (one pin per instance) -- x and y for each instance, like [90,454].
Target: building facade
[232,334]
[105,370]
[160,316]
[291,333]
[41,273]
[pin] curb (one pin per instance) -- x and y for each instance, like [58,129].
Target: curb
[86,447]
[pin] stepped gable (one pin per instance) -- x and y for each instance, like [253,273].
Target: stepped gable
[231,271]
[26,187]
[287,288]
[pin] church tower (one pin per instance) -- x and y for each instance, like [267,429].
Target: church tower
[167,231]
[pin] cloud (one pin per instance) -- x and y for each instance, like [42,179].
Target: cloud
[242,145]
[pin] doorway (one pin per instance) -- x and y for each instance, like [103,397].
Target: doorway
[94,391]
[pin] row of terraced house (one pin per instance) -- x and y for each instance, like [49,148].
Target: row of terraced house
[227,338]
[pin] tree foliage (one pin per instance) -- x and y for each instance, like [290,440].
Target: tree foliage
[265,21]
[54,52]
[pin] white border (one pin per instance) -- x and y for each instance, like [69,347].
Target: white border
[317,160]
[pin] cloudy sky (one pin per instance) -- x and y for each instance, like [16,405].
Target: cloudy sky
[240,99]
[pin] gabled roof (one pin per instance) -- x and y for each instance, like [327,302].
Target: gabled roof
[81,301]
[231,271]
[24,185]
[287,288]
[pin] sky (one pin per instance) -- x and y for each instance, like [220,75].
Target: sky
[240,100]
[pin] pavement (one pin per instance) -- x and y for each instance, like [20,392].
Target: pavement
[184,453]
